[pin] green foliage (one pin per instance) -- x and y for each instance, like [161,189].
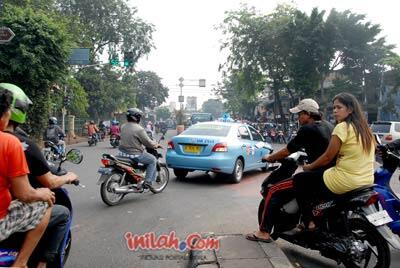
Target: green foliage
[35,58]
[292,53]
[213,106]
[149,88]
[107,91]
[112,25]
[163,113]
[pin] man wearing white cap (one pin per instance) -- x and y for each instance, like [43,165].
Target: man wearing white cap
[313,136]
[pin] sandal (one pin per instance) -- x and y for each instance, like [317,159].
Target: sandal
[253,237]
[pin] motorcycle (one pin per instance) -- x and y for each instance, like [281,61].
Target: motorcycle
[121,176]
[9,248]
[92,139]
[351,228]
[388,200]
[52,152]
[114,140]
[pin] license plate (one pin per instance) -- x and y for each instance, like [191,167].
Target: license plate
[379,218]
[192,149]
[105,171]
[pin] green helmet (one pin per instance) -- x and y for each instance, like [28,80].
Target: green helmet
[20,102]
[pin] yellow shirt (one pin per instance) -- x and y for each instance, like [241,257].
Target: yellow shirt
[354,167]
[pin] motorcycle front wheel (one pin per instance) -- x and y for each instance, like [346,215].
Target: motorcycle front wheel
[378,253]
[161,181]
[106,189]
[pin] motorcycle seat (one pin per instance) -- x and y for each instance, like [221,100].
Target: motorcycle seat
[356,192]
[129,161]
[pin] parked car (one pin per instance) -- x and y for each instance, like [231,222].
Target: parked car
[387,131]
[220,147]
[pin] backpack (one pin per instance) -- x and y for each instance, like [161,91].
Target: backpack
[51,135]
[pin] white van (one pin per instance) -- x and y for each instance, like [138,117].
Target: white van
[388,131]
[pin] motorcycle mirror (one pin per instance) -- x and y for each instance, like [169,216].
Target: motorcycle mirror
[162,137]
[74,156]
[378,139]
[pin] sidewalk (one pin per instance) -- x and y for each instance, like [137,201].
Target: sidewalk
[236,251]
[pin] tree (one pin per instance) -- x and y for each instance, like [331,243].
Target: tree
[163,113]
[35,58]
[107,92]
[258,51]
[149,86]
[111,26]
[213,106]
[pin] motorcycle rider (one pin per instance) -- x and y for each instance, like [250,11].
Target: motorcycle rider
[133,142]
[353,144]
[40,176]
[313,136]
[53,133]
[115,130]
[92,130]
[30,210]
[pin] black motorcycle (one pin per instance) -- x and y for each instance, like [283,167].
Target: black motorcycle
[114,140]
[351,229]
[121,176]
[93,139]
[52,152]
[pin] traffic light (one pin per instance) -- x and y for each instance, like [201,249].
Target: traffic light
[114,62]
[67,100]
[128,59]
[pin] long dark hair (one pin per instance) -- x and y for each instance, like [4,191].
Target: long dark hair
[357,119]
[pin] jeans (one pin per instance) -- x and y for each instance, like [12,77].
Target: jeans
[50,243]
[151,169]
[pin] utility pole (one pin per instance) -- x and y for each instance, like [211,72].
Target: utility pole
[181,96]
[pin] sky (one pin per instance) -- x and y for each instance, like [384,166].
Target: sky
[187,43]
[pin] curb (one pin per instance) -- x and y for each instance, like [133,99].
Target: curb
[269,253]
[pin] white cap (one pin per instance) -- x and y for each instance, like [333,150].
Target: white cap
[308,105]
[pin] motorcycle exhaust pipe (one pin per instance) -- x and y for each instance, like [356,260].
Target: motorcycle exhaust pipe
[126,189]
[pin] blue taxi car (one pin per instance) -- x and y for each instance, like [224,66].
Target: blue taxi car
[220,147]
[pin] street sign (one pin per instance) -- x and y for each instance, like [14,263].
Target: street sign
[181,98]
[6,34]
[79,56]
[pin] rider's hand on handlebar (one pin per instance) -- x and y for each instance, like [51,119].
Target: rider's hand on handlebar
[46,195]
[71,177]
[268,159]
[306,167]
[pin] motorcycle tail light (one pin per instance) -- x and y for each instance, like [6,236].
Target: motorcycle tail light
[171,145]
[106,162]
[220,147]
[373,199]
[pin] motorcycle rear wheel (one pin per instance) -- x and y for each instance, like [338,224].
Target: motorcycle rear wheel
[108,197]
[377,245]
[161,181]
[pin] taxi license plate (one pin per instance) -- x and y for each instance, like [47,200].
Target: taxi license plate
[192,149]
[379,218]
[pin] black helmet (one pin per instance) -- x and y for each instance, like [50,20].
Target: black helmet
[52,121]
[134,114]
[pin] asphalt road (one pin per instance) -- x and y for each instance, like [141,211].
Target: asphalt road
[200,204]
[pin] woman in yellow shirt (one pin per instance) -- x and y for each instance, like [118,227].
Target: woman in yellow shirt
[352,145]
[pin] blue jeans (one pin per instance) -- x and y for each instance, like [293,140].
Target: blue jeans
[54,235]
[151,162]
